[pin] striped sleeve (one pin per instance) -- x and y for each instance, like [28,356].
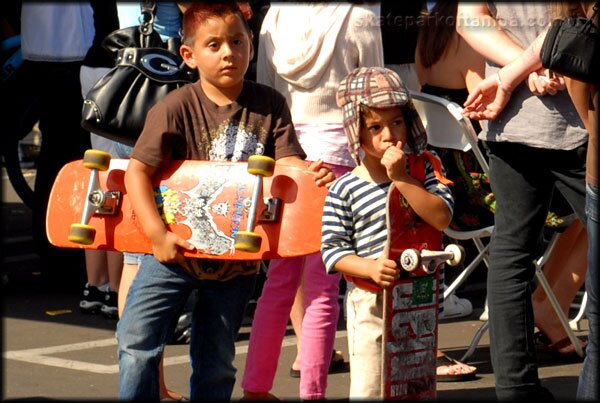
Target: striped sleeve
[433,185]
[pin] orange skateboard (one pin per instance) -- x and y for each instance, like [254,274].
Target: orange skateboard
[228,210]
[410,305]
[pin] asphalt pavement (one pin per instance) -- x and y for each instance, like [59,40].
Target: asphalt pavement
[51,351]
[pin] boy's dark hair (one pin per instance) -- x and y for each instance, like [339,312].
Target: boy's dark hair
[198,12]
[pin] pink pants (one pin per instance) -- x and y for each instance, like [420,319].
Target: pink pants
[321,311]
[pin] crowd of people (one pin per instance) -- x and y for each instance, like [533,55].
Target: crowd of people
[332,96]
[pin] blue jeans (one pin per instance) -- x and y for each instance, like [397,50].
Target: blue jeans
[157,295]
[522,179]
[588,380]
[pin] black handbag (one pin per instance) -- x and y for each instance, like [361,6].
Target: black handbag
[146,69]
[571,48]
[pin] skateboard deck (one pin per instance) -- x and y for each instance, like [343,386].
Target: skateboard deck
[410,308]
[205,202]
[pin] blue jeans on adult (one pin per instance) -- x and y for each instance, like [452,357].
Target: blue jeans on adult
[157,295]
[588,380]
[523,179]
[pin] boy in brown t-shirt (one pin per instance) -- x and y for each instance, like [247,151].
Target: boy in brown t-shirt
[220,117]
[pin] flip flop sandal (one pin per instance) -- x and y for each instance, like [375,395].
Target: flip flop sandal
[445,361]
[335,367]
[338,366]
[543,344]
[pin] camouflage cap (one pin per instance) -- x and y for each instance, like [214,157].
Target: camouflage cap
[377,87]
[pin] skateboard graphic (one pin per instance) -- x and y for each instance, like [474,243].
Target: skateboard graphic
[410,305]
[228,210]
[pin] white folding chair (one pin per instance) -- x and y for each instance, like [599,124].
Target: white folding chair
[447,128]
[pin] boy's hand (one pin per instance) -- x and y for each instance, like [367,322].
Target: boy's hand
[383,272]
[166,248]
[394,161]
[322,174]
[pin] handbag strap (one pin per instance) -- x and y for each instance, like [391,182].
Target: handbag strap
[590,21]
[148,8]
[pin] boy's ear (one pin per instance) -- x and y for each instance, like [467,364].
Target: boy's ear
[251,49]
[187,54]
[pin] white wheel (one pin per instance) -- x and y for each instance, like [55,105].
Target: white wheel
[458,254]
[410,259]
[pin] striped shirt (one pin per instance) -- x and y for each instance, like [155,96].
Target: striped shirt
[354,216]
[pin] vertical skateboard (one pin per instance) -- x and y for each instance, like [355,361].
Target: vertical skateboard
[410,305]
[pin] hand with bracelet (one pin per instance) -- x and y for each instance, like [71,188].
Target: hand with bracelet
[491,95]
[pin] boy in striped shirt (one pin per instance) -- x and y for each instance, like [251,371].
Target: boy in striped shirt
[381,122]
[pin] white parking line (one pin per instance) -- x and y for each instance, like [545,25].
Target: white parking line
[41,355]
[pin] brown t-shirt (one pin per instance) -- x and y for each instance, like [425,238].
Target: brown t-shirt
[185,124]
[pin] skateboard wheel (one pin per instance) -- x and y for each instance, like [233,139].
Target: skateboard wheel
[458,253]
[247,241]
[96,159]
[82,234]
[410,259]
[261,165]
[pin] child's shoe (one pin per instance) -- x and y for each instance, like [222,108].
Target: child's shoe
[92,301]
[109,307]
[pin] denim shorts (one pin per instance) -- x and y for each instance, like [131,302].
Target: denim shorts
[132,258]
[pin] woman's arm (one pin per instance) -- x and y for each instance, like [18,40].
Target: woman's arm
[490,96]
[482,32]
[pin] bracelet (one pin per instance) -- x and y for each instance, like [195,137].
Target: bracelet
[499,81]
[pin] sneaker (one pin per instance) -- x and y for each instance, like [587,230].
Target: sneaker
[92,301]
[455,307]
[109,307]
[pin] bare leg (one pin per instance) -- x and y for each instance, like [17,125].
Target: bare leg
[128,274]
[114,261]
[96,267]
[296,316]
[565,272]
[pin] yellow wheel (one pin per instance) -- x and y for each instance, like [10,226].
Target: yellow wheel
[96,159]
[82,234]
[247,241]
[261,165]
[410,259]
[458,253]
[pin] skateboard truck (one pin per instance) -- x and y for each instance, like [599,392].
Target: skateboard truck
[105,202]
[259,166]
[272,213]
[97,201]
[411,259]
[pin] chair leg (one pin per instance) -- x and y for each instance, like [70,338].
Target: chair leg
[575,322]
[539,263]
[475,341]
[483,255]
